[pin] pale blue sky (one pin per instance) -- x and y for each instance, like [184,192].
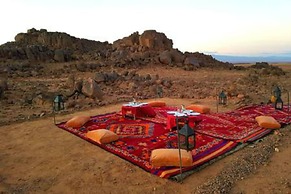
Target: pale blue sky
[240,27]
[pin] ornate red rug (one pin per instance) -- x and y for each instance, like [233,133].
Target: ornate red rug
[240,124]
[139,137]
[216,134]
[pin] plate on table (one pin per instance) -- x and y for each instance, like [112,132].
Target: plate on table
[177,114]
[172,112]
[194,114]
[187,111]
[135,104]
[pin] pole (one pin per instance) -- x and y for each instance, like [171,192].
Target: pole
[54,113]
[54,116]
[180,158]
[288,97]
[217,99]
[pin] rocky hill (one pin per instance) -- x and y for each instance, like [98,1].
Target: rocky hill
[39,65]
[135,50]
[44,46]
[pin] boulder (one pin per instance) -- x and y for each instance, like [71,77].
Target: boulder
[113,76]
[78,85]
[165,58]
[171,56]
[155,40]
[240,96]
[3,85]
[177,56]
[191,61]
[99,77]
[91,89]
[59,55]
[82,67]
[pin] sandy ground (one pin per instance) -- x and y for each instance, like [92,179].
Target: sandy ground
[38,157]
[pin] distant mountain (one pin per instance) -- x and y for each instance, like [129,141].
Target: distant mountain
[253,59]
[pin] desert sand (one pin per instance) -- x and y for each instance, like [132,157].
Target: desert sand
[38,157]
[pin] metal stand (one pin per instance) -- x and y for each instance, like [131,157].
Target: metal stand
[288,99]
[54,113]
[180,157]
[57,105]
[217,101]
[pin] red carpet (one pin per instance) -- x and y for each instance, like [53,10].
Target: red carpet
[240,124]
[216,134]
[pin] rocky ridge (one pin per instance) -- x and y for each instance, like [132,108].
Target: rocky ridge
[135,50]
[97,74]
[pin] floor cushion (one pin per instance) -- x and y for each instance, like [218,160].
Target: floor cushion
[157,103]
[77,121]
[102,136]
[170,157]
[268,122]
[198,108]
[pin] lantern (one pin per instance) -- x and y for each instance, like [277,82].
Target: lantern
[222,98]
[58,103]
[186,137]
[159,91]
[277,92]
[279,103]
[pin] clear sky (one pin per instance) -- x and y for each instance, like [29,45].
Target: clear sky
[239,27]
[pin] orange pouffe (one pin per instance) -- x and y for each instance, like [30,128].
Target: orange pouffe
[157,103]
[102,136]
[198,108]
[77,121]
[268,122]
[170,157]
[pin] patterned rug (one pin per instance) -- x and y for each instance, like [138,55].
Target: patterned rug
[216,135]
[240,124]
[136,145]
[133,130]
[161,115]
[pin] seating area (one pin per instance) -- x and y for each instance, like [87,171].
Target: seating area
[144,133]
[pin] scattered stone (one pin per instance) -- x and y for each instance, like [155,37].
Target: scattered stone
[240,96]
[240,168]
[4,85]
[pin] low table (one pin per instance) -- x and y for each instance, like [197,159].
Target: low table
[137,110]
[192,117]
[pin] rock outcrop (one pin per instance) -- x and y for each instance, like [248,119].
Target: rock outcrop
[155,40]
[41,45]
[149,39]
[136,50]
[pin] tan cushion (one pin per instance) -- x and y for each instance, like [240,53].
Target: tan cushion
[157,103]
[170,157]
[268,122]
[77,121]
[198,108]
[102,136]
